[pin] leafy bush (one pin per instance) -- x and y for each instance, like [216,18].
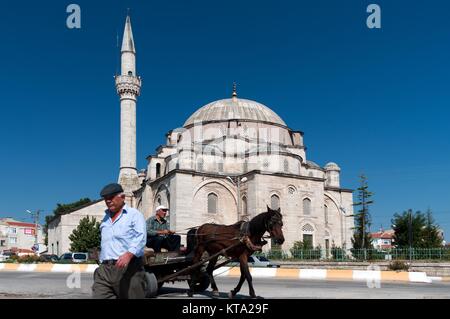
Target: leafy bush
[275,254]
[338,253]
[304,251]
[27,259]
[368,254]
[398,265]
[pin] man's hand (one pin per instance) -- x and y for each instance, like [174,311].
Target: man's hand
[166,232]
[124,260]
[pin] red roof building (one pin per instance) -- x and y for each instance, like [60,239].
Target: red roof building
[383,239]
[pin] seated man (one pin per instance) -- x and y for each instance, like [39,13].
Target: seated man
[158,233]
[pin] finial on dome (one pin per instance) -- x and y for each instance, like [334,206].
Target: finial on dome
[234,95]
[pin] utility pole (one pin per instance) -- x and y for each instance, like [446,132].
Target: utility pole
[410,235]
[364,225]
[35,215]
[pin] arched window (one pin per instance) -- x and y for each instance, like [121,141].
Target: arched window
[325,212]
[212,203]
[286,166]
[244,205]
[220,166]
[158,170]
[306,206]
[245,166]
[130,73]
[275,202]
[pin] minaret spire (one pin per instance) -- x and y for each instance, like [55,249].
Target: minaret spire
[128,86]
[128,41]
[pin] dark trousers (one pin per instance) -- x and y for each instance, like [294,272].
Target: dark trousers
[169,242]
[111,282]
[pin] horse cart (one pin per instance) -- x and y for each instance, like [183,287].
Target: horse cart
[205,245]
[171,266]
[163,267]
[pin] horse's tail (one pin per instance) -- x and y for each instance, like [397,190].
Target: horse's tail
[191,240]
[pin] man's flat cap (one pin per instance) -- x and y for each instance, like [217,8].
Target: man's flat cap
[111,189]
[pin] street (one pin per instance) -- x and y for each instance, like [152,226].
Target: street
[54,285]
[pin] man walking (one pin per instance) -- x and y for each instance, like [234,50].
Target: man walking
[123,237]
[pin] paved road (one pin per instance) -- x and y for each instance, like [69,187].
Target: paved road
[54,285]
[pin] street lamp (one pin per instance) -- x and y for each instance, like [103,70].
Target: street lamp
[237,182]
[36,219]
[344,244]
[345,225]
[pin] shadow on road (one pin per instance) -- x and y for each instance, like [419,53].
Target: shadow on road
[181,293]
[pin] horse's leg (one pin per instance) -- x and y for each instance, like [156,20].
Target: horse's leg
[248,275]
[195,272]
[210,271]
[241,279]
[244,269]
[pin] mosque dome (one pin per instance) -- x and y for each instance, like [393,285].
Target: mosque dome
[234,109]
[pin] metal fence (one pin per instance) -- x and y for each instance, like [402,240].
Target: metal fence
[339,254]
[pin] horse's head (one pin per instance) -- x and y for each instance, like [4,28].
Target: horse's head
[274,225]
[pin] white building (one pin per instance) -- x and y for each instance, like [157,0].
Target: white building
[16,235]
[383,239]
[230,159]
[61,227]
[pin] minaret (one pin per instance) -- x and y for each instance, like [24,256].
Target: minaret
[128,87]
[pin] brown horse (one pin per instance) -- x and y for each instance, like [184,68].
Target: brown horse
[239,240]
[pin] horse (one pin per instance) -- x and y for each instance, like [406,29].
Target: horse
[237,241]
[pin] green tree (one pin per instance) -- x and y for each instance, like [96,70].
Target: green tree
[417,230]
[361,237]
[62,209]
[431,234]
[86,236]
[408,227]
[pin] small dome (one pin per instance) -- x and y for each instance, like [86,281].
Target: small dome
[234,109]
[332,167]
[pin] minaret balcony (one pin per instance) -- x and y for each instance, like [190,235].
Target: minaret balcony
[128,84]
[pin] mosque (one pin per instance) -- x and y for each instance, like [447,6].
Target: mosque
[230,160]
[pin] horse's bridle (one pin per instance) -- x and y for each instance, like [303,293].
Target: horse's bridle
[274,220]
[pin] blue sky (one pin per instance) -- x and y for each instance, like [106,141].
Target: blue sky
[373,101]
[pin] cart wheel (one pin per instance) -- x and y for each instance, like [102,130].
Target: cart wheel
[202,284]
[152,285]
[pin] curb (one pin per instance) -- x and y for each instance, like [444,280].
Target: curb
[328,274]
[444,279]
[84,268]
[282,273]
